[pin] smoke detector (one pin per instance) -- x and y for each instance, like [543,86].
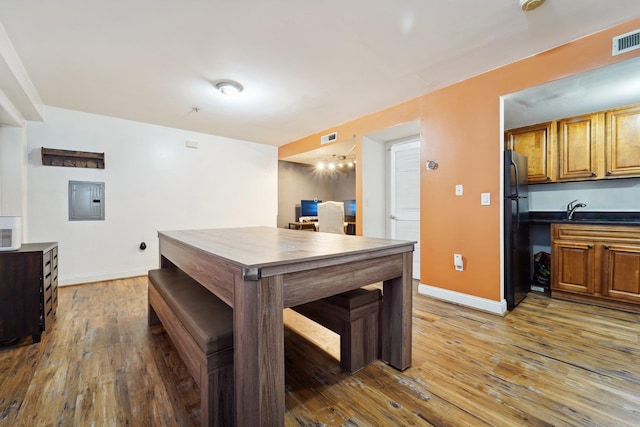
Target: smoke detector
[528,5]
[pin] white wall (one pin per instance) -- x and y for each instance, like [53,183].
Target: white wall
[152,182]
[13,180]
[374,165]
[601,195]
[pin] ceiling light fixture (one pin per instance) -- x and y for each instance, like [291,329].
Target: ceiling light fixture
[528,5]
[337,163]
[229,87]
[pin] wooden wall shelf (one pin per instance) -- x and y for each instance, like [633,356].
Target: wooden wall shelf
[74,159]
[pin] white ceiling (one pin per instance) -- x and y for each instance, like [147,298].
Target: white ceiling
[305,65]
[596,90]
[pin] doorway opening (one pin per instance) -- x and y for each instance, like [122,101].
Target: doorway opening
[391,185]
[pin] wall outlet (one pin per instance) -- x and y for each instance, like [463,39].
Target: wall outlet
[458,263]
[459,189]
[485,199]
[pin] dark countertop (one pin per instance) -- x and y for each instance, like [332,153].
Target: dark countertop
[585,217]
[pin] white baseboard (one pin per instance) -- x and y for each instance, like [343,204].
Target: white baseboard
[90,278]
[496,307]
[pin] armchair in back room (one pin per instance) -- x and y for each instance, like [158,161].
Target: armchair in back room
[331,217]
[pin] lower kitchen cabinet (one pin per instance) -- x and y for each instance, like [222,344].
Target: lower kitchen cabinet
[599,264]
[620,278]
[28,290]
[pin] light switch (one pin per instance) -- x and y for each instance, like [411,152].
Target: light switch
[485,199]
[459,189]
[457,262]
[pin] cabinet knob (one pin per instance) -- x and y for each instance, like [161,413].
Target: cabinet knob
[593,173]
[609,173]
[589,246]
[606,247]
[548,178]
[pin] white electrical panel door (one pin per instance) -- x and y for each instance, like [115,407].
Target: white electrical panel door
[86,201]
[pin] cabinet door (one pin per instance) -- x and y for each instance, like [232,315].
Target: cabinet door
[537,142]
[578,147]
[573,267]
[621,278]
[622,146]
[20,309]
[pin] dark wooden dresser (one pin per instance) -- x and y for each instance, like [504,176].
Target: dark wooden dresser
[28,290]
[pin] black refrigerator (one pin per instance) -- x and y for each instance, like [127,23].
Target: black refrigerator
[517,247]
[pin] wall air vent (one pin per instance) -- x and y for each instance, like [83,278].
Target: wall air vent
[325,139]
[626,42]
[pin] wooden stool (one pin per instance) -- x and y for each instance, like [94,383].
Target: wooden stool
[354,315]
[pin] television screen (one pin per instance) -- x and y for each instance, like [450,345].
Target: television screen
[349,207]
[309,207]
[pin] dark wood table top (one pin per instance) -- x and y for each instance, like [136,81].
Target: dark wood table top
[259,247]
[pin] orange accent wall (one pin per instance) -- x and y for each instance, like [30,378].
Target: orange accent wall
[461,129]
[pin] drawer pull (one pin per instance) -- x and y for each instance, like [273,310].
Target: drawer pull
[606,247]
[589,246]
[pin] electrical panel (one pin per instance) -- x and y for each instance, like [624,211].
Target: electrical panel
[86,201]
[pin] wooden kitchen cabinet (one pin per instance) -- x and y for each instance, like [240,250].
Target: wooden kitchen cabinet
[580,141]
[620,279]
[574,262]
[602,145]
[599,264]
[537,142]
[28,290]
[622,147]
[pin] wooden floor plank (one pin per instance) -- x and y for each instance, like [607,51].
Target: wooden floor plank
[547,363]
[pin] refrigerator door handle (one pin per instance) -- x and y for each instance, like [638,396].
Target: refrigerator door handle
[516,180]
[517,200]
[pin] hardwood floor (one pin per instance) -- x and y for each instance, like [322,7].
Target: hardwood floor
[549,362]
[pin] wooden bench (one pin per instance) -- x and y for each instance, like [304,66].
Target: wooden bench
[200,326]
[354,315]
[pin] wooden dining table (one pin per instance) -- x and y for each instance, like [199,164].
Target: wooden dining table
[259,271]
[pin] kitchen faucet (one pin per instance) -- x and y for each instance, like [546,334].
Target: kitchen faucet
[571,208]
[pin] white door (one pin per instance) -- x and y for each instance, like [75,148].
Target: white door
[404,196]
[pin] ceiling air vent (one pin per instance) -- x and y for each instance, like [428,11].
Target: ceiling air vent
[328,138]
[626,42]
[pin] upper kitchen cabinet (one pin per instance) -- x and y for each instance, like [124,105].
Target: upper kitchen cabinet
[622,148]
[537,142]
[601,145]
[580,142]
